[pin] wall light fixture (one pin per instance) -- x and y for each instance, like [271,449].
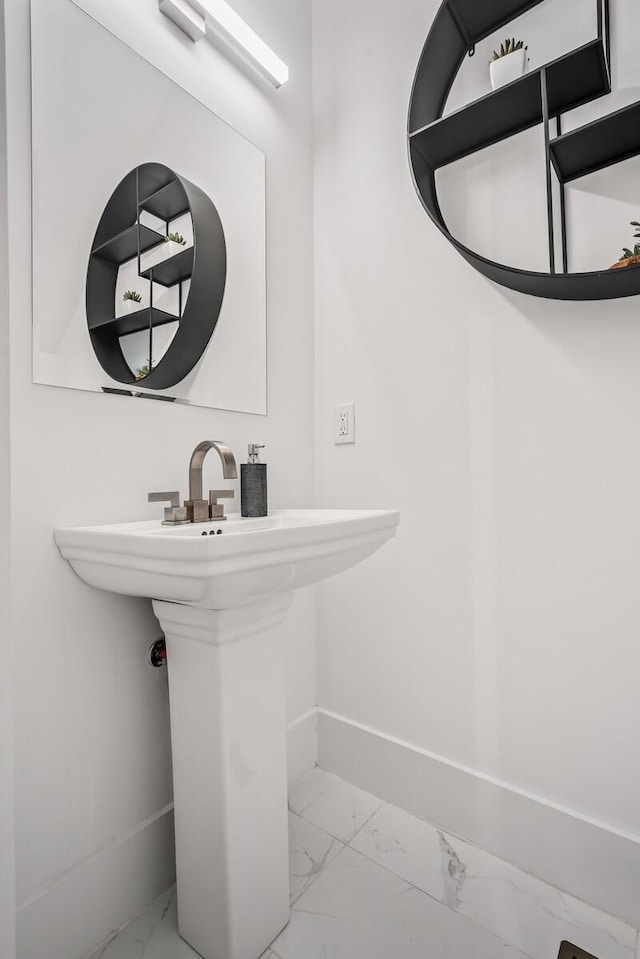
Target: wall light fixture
[195,16]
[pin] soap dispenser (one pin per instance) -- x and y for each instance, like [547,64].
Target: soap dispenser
[253,484]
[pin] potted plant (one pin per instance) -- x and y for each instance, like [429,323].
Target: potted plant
[629,257]
[143,371]
[508,62]
[174,241]
[131,301]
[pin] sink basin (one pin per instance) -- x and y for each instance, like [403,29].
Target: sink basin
[220,591]
[223,564]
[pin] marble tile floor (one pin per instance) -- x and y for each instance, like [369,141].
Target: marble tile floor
[370,881]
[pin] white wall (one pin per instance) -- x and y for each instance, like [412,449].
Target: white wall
[499,630]
[93,833]
[7,874]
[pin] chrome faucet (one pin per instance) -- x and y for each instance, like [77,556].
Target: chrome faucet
[196,509]
[200,510]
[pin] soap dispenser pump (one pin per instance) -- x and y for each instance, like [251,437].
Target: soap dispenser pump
[253,484]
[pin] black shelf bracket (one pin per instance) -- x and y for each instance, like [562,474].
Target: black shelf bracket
[604,29]
[457,19]
[544,94]
[563,209]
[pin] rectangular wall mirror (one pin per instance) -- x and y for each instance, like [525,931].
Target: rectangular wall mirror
[148,228]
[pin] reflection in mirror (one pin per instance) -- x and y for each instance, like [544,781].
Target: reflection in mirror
[73,187]
[126,254]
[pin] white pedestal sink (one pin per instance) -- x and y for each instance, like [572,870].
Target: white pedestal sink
[220,598]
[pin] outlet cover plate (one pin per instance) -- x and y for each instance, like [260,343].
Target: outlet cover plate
[344,424]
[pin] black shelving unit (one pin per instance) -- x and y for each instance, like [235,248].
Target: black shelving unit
[156,189]
[175,269]
[574,79]
[578,77]
[597,145]
[136,322]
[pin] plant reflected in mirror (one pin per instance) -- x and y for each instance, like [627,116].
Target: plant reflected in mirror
[143,371]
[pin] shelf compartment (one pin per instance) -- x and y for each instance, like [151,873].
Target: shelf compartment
[597,145]
[576,78]
[167,203]
[173,270]
[124,246]
[135,322]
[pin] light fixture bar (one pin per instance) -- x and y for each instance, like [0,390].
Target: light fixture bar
[185,17]
[191,16]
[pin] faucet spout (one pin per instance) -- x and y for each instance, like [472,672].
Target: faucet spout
[229,468]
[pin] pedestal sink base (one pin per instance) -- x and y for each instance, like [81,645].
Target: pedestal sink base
[228,738]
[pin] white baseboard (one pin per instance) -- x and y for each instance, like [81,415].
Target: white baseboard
[589,860]
[302,746]
[70,918]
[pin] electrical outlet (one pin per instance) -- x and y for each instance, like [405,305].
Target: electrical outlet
[344,423]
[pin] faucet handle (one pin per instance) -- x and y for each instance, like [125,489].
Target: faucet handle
[174,515]
[216,510]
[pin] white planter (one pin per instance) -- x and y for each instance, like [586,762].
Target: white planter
[129,306]
[160,253]
[508,68]
[171,248]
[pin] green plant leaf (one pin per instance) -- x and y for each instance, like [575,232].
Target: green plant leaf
[509,45]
